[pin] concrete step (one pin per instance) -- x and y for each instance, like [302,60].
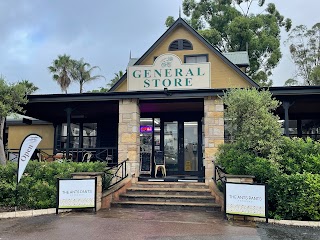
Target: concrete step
[169,191]
[168,205]
[196,185]
[166,198]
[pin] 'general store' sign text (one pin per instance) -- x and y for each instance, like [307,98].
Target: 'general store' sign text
[168,72]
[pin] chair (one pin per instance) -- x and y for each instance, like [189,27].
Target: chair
[87,157]
[159,164]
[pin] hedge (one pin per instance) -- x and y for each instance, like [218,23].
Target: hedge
[37,187]
[293,178]
[295,196]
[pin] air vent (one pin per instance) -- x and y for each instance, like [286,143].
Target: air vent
[180,44]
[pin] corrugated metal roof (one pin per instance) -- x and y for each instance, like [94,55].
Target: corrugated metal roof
[238,58]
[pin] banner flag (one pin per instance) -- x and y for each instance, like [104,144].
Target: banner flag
[29,144]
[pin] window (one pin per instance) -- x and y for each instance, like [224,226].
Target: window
[196,58]
[180,44]
[87,139]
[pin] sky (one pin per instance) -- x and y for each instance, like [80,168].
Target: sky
[35,32]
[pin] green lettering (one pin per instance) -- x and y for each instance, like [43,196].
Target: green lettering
[177,81]
[178,72]
[156,81]
[168,72]
[188,82]
[157,72]
[199,74]
[189,72]
[147,73]
[166,84]
[134,74]
[146,83]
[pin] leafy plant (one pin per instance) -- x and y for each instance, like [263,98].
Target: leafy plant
[37,188]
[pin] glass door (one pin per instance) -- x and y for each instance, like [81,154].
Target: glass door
[181,147]
[170,141]
[190,133]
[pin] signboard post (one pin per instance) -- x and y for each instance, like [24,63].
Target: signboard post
[246,199]
[76,193]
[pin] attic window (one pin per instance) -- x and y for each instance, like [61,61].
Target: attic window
[180,44]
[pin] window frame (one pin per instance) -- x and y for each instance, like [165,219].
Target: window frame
[196,55]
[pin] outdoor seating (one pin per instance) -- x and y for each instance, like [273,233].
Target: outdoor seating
[160,164]
[87,157]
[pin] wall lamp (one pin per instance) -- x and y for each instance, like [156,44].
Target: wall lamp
[166,92]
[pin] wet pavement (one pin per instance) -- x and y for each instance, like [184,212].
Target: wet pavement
[138,224]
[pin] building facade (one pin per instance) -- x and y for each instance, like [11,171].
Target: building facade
[165,115]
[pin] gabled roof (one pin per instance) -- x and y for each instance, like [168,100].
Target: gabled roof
[176,24]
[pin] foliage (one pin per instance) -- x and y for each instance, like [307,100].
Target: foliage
[229,25]
[37,188]
[82,72]
[12,99]
[299,155]
[61,69]
[250,120]
[295,196]
[305,53]
[239,161]
[116,78]
[29,86]
[296,173]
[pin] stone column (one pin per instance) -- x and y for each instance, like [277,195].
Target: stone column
[98,175]
[213,133]
[129,135]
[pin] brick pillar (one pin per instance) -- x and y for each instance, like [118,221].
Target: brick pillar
[213,132]
[129,138]
[98,175]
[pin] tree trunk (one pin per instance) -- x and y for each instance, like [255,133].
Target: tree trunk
[3,159]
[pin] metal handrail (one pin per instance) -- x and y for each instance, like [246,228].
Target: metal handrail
[219,174]
[117,173]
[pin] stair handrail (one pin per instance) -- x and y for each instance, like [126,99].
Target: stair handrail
[113,174]
[219,174]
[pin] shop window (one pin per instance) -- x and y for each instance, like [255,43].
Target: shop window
[199,58]
[85,139]
[180,44]
[89,135]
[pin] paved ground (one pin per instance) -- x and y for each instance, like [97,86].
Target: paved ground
[139,224]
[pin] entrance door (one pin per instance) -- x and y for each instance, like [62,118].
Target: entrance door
[182,150]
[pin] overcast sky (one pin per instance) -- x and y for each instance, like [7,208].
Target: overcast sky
[34,32]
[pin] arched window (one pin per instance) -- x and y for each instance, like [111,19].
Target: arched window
[180,44]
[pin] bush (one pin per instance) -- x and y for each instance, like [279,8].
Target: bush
[236,160]
[299,155]
[37,187]
[295,196]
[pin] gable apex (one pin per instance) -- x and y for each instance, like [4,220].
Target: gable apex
[180,22]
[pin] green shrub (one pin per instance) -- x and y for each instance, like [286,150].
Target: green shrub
[37,187]
[295,196]
[299,155]
[239,161]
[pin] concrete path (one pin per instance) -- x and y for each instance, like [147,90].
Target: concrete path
[137,224]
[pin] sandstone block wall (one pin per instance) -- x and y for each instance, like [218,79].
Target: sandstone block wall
[213,132]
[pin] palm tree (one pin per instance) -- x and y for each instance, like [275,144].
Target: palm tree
[30,87]
[61,69]
[115,79]
[82,73]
